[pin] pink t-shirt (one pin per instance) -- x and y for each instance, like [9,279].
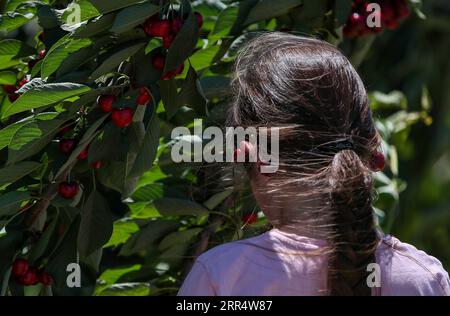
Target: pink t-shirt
[270,264]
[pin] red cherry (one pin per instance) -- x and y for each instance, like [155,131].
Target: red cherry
[9,88]
[68,190]
[42,54]
[355,25]
[97,165]
[402,9]
[147,24]
[22,83]
[66,146]
[174,73]
[41,36]
[144,96]
[167,41]
[106,102]
[199,19]
[250,218]
[176,24]
[30,277]
[390,19]
[32,63]
[167,76]
[45,278]
[13,97]
[391,24]
[84,153]
[122,117]
[179,70]
[159,28]
[158,62]
[20,267]
[378,161]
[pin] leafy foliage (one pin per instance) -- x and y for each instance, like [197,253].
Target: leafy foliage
[139,208]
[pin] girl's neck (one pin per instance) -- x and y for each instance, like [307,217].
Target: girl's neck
[308,231]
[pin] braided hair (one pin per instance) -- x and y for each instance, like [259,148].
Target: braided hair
[327,138]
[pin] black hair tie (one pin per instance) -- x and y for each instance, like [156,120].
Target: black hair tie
[345,144]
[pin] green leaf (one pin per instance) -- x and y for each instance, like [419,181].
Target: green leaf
[149,192]
[132,16]
[104,147]
[13,173]
[88,136]
[127,289]
[96,26]
[48,19]
[76,60]
[145,73]
[9,245]
[183,45]
[41,246]
[40,135]
[10,203]
[169,96]
[203,58]
[76,12]
[143,210]
[267,9]
[180,237]
[148,236]
[13,20]
[11,49]
[224,23]
[112,5]
[20,133]
[147,150]
[390,101]
[111,276]
[64,254]
[192,95]
[59,53]
[113,175]
[217,198]
[13,4]
[342,9]
[96,225]
[6,63]
[116,58]
[8,77]
[175,254]
[44,95]
[178,207]
[122,231]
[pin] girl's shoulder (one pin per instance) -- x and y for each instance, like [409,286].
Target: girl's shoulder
[229,251]
[271,244]
[405,268]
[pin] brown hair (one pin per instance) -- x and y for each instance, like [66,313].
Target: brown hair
[310,88]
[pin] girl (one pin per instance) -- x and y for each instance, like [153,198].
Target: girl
[324,240]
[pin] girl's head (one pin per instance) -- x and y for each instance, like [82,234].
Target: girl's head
[311,92]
